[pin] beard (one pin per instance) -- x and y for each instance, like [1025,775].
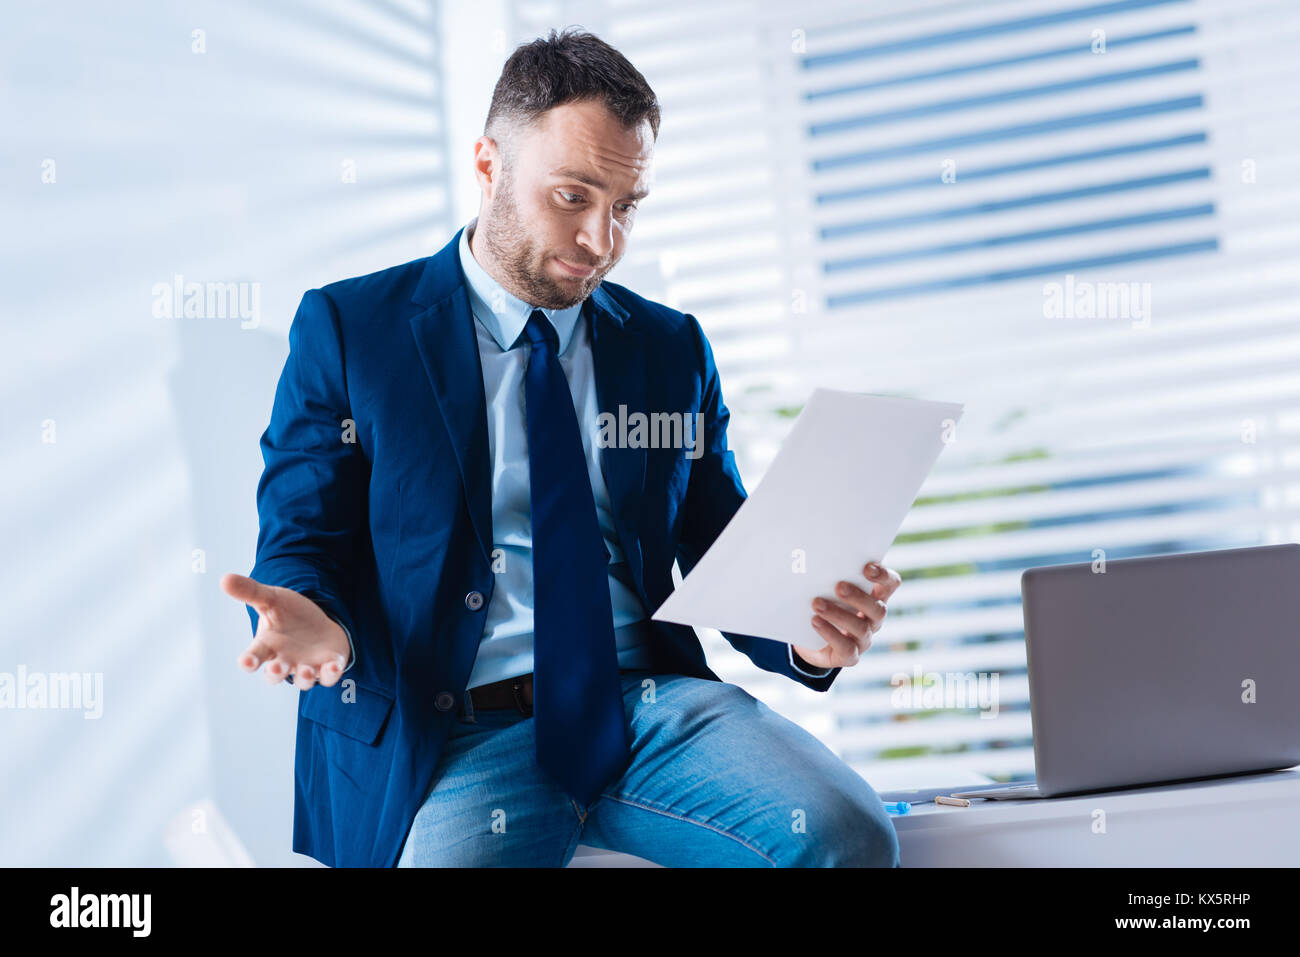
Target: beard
[523,260]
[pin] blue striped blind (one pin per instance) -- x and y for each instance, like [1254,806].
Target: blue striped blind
[890,198]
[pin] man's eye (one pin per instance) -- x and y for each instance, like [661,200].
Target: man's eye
[574,198]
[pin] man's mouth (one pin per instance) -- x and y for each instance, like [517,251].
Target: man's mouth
[578,272]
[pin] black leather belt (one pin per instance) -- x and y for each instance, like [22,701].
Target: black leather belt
[514,693]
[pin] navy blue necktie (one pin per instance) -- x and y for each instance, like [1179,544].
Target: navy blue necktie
[582,736]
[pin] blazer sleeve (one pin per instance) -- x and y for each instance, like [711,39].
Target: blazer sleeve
[713,494]
[311,496]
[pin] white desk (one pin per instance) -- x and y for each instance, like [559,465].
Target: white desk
[1249,821]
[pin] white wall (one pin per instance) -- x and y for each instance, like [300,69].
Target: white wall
[223,165]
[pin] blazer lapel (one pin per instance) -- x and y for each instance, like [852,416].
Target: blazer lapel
[618,358]
[448,347]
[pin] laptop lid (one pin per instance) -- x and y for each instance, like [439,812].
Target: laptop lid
[1163,668]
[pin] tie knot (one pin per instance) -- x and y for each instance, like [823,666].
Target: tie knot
[540,331]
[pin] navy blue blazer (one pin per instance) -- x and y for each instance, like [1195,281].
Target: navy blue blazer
[386,522]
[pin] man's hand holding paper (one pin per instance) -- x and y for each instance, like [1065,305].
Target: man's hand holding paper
[848,621]
[825,503]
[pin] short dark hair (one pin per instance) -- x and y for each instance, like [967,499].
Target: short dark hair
[561,68]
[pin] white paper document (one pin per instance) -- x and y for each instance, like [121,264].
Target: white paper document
[832,500]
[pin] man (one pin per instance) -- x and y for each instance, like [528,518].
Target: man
[458,575]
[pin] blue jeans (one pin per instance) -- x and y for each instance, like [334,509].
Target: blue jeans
[717,779]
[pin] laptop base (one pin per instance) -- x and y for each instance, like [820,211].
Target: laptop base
[1010,792]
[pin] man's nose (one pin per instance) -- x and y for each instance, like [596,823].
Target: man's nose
[597,236]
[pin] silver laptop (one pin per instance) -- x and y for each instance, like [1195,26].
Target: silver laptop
[1161,669]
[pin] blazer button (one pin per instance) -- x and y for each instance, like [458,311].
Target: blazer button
[444,701]
[474,600]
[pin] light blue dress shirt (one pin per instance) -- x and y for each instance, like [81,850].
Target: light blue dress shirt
[506,646]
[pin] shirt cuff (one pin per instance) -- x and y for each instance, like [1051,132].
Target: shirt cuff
[807,674]
[352,651]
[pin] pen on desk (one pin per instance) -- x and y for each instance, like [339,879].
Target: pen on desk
[897,807]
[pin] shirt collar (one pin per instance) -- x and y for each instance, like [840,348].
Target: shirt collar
[507,320]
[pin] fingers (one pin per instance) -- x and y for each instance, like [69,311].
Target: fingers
[249,591]
[306,675]
[255,655]
[845,650]
[885,581]
[276,671]
[330,672]
[861,601]
[856,624]
[848,630]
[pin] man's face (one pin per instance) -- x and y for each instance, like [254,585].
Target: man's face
[559,219]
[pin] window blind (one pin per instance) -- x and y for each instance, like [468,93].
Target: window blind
[903,201]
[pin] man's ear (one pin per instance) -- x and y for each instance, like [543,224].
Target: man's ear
[487,164]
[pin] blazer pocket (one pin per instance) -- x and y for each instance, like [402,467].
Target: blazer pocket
[362,719]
